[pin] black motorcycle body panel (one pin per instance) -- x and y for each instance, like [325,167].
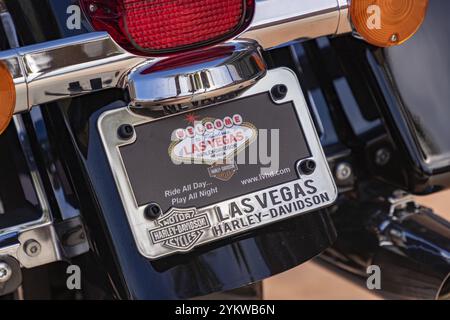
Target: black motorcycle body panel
[413,80]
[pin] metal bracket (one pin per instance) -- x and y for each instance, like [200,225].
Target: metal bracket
[403,205]
[47,243]
[72,236]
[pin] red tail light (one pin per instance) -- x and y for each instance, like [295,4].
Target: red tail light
[165,26]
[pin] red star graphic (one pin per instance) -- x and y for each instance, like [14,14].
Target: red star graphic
[191,118]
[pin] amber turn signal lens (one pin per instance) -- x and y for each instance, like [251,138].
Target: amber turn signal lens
[7,97]
[386,23]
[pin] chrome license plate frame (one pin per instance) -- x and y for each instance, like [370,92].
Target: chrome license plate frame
[181,229]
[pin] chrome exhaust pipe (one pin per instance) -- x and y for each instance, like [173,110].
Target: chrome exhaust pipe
[409,243]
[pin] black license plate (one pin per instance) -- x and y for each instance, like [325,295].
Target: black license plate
[170,184]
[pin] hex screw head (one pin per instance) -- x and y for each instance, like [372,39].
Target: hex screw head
[394,38]
[307,167]
[32,248]
[126,131]
[343,171]
[382,157]
[5,272]
[279,92]
[152,211]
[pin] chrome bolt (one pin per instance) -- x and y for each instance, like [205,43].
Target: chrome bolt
[153,211]
[394,38]
[93,7]
[307,167]
[343,171]
[279,92]
[399,194]
[382,157]
[5,272]
[126,131]
[32,248]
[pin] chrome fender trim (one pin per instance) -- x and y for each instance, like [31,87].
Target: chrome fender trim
[66,68]
[240,68]
[78,65]
[277,22]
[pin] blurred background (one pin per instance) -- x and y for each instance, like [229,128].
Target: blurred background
[310,281]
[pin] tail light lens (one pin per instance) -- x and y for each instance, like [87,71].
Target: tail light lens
[166,26]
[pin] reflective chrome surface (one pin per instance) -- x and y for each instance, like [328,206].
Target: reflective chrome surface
[87,63]
[12,61]
[25,145]
[43,72]
[281,21]
[237,66]
[410,244]
[345,24]
[111,120]
[14,241]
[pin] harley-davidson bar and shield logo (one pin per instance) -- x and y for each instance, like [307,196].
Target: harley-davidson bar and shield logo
[215,142]
[180,229]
